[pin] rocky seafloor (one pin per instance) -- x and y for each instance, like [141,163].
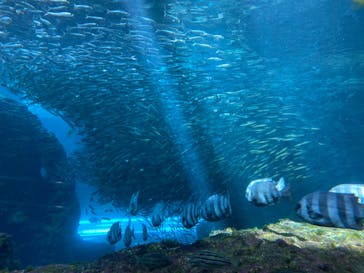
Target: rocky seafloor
[283,247]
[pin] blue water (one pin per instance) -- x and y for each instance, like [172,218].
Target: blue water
[177,99]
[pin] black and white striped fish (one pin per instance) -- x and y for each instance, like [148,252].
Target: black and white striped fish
[190,215]
[208,260]
[158,214]
[129,234]
[215,208]
[133,204]
[266,191]
[114,234]
[331,209]
[145,232]
[356,189]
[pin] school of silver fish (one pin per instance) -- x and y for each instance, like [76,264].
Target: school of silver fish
[109,69]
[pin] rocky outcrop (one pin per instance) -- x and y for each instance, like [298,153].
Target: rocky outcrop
[283,247]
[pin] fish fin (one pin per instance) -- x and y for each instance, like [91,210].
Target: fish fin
[361,211]
[286,191]
[281,184]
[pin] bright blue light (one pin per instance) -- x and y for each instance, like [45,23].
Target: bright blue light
[170,229]
[166,88]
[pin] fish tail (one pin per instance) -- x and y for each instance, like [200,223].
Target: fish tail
[361,211]
[360,216]
[281,184]
[284,188]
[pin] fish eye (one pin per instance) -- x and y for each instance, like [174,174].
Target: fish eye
[297,207]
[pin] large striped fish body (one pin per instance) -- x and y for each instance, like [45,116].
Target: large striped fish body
[114,234]
[331,209]
[217,207]
[190,215]
[356,189]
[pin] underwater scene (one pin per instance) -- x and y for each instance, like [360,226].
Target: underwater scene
[182,136]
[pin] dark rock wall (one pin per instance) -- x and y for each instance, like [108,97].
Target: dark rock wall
[38,204]
[6,251]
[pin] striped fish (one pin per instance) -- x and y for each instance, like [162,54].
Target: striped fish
[145,232]
[208,260]
[356,189]
[114,234]
[158,214]
[266,191]
[190,215]
[153,261]
[216,208]
[331,209]
[133,204]
[129,234]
